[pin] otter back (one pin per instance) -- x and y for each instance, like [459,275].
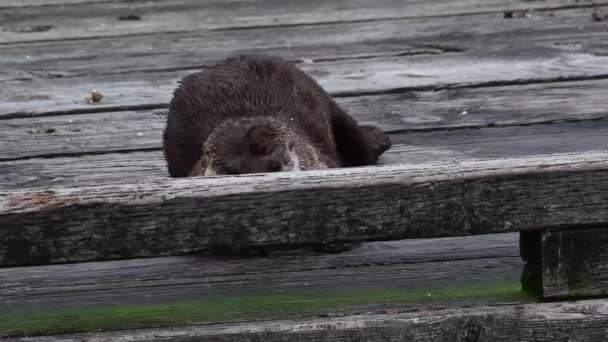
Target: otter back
[251,87]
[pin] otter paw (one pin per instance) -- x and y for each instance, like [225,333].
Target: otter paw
[377,139]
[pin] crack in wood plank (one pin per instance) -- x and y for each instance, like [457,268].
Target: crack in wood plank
[99,19]
[160,216]
[178,52]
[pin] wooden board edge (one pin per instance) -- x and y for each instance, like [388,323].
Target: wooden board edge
[538,322]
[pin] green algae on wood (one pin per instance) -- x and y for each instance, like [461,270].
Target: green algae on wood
[252,307]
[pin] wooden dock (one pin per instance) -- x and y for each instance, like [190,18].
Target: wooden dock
[498,113]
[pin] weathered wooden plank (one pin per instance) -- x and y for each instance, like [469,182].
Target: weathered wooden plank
[411,148]
[185,50]
[419,110]
[101,19]
[567,263]
[411,265]
[27,3]
[160,216]
[338,77]
[583,321]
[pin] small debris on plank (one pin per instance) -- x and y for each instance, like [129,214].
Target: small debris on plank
[517,14]
[130,17]
[94,96]
[598,15]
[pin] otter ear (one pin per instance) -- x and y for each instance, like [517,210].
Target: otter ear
[262,139]
[197,169]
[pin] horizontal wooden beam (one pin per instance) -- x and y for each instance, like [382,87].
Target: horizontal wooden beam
[566,263]
[161,216]
[404,275]
[548,322]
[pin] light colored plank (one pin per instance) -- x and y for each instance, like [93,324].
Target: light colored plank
[419,110]
[583,321]
[100,19]
[159,216]
[185,50]
[337,77]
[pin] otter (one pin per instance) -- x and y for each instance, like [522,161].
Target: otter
[257,114]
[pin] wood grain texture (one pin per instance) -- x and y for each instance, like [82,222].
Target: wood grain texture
[415,111]
[411,148]
[100,19]
[46,3]
[570,30]
[159,216]
[406,264]
[351,77]
[583,321]
[568,263]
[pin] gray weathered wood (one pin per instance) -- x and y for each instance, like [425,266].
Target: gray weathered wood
[567,263]
[160,216]
[405,264]
[411,148]
[189,50]
[583,321]
[100,19]
[28,3]
[337,77]
[421,110]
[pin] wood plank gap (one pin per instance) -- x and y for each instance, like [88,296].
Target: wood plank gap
[486,84]
[28,4]
[81,154]
[92,110]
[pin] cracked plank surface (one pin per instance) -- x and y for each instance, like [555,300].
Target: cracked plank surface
[160,216]
[410,113]
[95,19]
[337,77]
[568,30]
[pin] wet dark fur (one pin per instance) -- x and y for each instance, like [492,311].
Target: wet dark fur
[249,86]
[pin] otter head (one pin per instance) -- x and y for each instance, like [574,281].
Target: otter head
[254,145]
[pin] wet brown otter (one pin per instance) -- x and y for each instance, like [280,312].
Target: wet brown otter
[255,114]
